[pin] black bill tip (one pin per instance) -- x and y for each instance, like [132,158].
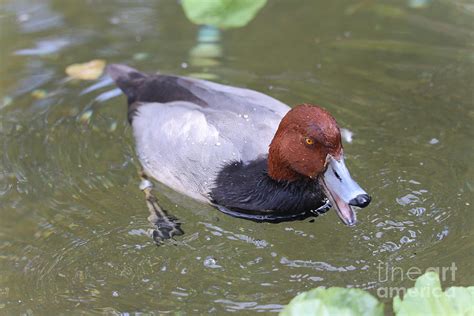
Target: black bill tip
[362,200]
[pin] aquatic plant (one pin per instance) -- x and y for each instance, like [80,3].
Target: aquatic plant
[425,298]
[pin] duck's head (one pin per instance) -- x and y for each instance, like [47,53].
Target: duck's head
[308,144]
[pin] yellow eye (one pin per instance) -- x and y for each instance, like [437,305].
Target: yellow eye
[309,141]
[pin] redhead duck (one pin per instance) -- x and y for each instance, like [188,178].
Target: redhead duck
[248,154]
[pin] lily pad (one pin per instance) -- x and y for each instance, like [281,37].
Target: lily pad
[222,13]
[427,298]
[334,301]
[86,71]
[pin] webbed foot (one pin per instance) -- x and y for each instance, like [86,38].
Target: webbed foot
[165,225]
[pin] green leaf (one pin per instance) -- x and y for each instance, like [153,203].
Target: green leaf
[334,301]
[428,298]
[222,13]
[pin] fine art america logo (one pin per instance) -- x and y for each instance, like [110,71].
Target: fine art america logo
[394,275]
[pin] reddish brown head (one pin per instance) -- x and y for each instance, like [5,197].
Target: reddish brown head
[307,144]
[305,137]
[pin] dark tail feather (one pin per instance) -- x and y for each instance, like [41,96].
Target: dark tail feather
[141,88]
[127,79]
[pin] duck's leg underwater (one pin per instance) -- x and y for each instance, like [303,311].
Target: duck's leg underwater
[165,226]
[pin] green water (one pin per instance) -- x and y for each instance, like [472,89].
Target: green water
[73,222]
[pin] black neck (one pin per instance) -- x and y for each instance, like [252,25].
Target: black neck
[246,190]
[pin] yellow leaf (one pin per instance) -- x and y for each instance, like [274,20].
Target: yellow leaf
[86,71]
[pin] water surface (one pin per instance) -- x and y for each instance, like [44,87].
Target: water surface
[399,75]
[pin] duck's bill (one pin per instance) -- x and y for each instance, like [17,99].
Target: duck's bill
[342,191]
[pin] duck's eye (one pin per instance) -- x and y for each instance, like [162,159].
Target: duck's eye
[309,141]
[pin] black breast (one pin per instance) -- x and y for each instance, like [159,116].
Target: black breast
[246,190]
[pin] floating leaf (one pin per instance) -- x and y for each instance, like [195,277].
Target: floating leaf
[427,298]
[86,71]
[222,13]
[334,301]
